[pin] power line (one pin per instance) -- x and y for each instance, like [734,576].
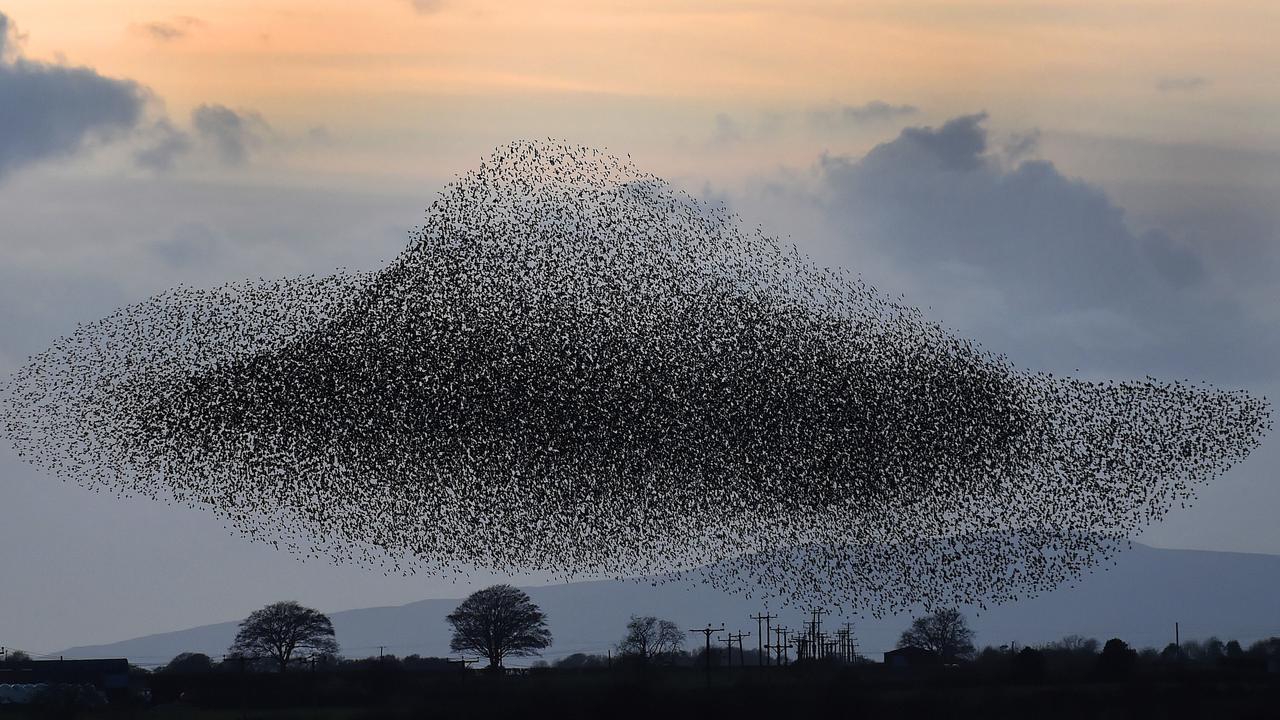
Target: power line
[707,632]
[761,656]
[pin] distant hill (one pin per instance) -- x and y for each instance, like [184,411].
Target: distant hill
[1231,595]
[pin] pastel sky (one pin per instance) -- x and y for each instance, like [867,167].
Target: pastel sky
[1084,185]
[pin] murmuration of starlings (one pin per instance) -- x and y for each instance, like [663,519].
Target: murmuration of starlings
[575,369]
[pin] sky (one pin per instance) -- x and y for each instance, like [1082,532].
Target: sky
[1086,187]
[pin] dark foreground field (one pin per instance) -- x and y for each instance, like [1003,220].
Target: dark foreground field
[866,692]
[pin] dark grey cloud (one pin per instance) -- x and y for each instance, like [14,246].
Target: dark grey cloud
[1173,260]
[50,111]
[162,147]
[1183,83]
[1061,267]
[233,135]
[10,38]
[230,137]
[958,145]
[875,111]
[936,195]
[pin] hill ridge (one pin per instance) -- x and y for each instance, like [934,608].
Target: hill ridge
[1228,594]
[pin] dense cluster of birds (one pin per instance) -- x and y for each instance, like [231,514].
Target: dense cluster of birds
[576,369]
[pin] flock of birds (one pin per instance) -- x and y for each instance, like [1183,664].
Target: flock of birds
[576,369]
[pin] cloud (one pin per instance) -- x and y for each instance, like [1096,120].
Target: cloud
[1020,145]
[935,196]
[775,124]
[10,39]
[727,130]
[1184,83]
[168,31]
[427,7]
[165,145]
[875,111]
[146,235]
[1023,256]
[957,146]
[218,133]
[319,134]
[50,111]
[759,126]
[233,135]
[190,244]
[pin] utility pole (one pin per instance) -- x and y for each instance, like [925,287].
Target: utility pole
[817,621]
[244,697]
[849,642]
[1177,640]
[706,631]
[786,645]
[729,640]
[761,656]
[779,643]
[380,649]
[742,655]
[315,692]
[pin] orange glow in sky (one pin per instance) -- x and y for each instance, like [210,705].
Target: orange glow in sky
[1088,65]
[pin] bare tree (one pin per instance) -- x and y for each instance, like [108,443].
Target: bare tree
[282,630]
[498,622]
[945,632]
[1076,644]
[648,637]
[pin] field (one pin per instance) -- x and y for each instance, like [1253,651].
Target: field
[869,691]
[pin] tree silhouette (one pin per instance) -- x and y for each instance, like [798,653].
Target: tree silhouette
[1117,660]
[1213,650]
[189,662]
[281,630]
[581,660]
[945,632]
[1028,665]
[498,622]
[648,637]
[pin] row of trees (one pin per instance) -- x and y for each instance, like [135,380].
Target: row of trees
[947,634]
[497,622]
[501,622]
